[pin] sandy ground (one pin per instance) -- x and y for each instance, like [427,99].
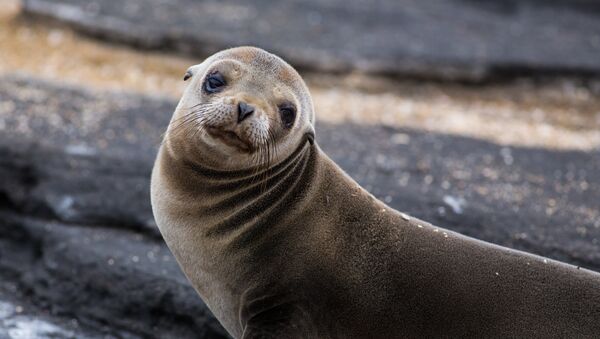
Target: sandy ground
[558,113]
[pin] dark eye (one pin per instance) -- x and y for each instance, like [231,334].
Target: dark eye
[214,82]
[288,115]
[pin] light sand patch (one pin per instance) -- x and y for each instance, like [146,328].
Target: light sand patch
[54,52]
[560,115]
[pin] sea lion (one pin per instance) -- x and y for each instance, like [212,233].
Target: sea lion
[281,243]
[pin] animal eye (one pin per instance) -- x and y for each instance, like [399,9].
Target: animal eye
[288,115]
[187,75]
[214,82]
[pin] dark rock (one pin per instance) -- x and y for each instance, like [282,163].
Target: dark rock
[104,278]
[18,320]
[80,157]
[76,189]
[77,236]
[454,39]
[24,318]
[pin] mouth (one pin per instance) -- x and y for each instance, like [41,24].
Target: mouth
[230,138]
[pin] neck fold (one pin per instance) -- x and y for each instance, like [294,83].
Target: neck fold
[246,204]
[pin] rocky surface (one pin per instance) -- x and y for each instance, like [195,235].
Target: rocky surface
[78,244]
[114,281]
[18,322]
[450,39]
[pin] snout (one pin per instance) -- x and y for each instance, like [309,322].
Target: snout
[241,122]
[244,111]
[249,107]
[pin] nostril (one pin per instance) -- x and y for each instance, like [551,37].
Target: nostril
[244,111]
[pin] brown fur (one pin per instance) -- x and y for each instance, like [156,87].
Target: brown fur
[300,250]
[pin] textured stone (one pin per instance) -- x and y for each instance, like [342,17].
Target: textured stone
[434,38]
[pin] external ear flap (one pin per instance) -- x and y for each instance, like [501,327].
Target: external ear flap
[187,75]
[310,135]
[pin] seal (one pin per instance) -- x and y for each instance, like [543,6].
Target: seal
[280,243]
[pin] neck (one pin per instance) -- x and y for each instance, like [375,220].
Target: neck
[246,203]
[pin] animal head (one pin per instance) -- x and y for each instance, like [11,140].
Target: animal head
[243,108]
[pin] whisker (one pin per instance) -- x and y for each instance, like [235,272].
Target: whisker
[196,116]
[196,105]
[175,127]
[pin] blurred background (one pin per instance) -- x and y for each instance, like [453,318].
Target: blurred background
[479,116]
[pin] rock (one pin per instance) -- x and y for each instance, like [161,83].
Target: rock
[78,240]
[80,157]
[457,39]
[19,322]
[105,277]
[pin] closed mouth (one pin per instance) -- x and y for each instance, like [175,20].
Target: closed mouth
[229,138]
